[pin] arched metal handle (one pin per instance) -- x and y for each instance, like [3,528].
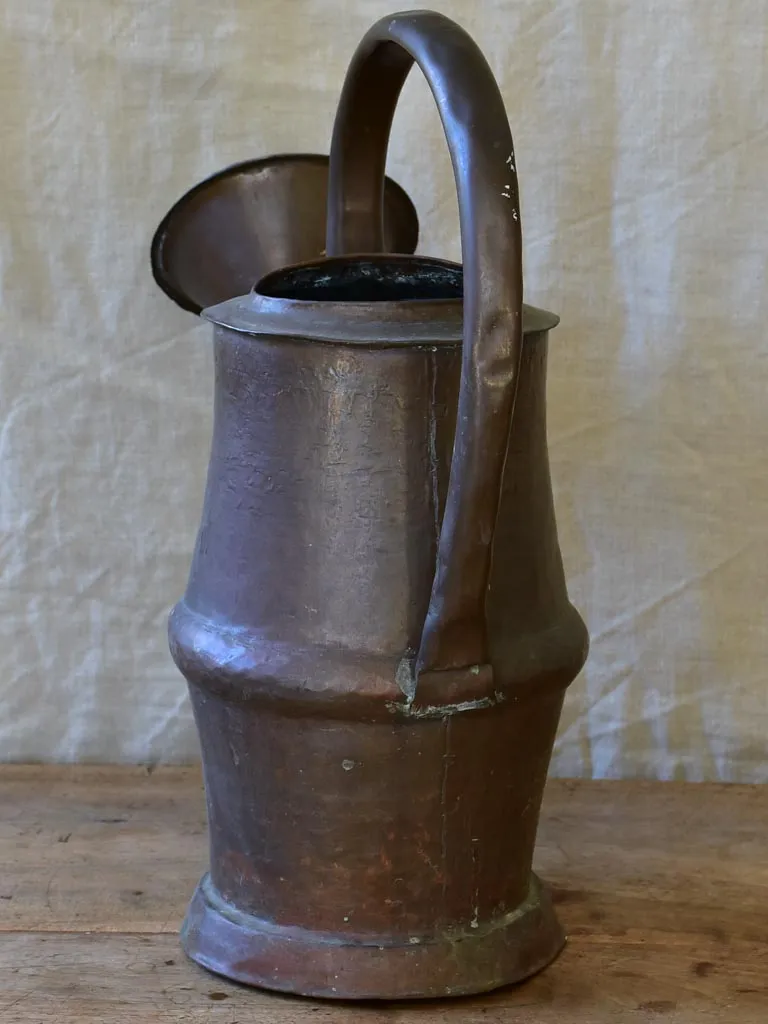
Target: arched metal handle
[454,636]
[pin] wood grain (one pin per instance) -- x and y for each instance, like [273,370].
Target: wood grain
[663,889]
[99,849]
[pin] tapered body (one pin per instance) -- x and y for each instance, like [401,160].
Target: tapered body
[376,630]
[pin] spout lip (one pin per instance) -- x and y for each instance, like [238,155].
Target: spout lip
[364,299]
[237,224]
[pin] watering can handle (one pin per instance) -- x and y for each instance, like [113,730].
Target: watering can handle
[454,635]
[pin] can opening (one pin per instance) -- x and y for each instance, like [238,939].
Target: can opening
[388,278]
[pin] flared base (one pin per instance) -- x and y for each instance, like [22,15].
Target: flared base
[246,949]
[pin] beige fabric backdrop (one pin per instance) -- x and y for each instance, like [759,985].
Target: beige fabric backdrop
[641,129]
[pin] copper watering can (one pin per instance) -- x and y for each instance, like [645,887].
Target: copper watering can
[376,630]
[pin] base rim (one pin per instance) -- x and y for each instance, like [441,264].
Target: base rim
[248,950]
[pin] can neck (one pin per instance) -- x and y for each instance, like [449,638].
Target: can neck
[360,300]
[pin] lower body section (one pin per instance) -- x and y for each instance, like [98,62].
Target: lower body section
[486,956]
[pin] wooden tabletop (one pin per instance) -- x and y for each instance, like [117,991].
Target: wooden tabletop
[662,887]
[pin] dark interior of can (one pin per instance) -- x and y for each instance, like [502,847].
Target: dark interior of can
[361,279]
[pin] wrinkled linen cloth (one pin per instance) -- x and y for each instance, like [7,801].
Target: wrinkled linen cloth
[641,131]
